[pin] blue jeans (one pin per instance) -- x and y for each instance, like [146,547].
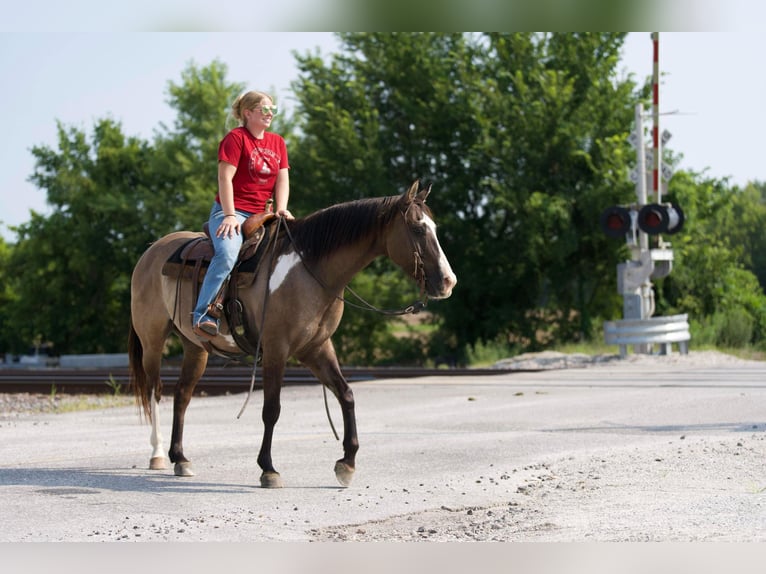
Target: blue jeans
[226,251]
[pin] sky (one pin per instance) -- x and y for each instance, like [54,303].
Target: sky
[711,91]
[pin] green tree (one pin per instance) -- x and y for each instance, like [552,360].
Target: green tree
[713,277]
[372,120]
[555,120]
[71,268]
[111,196]
[8,341]
[186,155]
[524,135]
[746,224]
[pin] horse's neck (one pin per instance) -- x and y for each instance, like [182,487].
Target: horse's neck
[339,268]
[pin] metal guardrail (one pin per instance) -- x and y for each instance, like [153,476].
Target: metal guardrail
[645,333]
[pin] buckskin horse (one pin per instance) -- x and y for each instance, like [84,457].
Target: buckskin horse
[292,305]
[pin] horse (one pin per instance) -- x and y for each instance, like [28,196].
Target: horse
[295,303]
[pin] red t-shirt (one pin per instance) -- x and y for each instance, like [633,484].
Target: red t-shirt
[258,162]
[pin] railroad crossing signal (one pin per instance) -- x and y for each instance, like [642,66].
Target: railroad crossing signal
[616,221]
[656,218]
[653,219]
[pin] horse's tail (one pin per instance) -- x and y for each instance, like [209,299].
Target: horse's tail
[137,373]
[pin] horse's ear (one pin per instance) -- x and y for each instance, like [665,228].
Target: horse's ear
[412,192]
[423,193]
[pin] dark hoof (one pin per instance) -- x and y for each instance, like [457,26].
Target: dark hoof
[183,469]
[344,473]
[271,479]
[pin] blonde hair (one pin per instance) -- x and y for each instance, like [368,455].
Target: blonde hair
[247,101]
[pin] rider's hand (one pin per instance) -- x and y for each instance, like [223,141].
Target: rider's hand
[229,227]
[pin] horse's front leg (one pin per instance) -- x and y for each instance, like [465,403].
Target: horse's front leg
[346,466]
[324,365]
[272,388]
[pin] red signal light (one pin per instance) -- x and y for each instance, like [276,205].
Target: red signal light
[654,219]
[615,222]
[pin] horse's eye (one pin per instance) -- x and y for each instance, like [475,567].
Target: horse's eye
[419,229]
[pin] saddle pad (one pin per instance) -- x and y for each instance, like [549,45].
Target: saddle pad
[184,260]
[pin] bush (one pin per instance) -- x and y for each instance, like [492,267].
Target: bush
[703,333]
[485,353]
[734,328]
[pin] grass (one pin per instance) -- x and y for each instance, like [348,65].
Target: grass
[83,402]
[591,348]
[77,403]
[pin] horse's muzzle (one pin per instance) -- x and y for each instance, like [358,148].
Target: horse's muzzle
[442,287]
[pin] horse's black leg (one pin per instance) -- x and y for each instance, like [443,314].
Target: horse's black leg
[272,388]
[194,363]
[324,365]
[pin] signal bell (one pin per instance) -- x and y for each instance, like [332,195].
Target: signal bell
[655,218]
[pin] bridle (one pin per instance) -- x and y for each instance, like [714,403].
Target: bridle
[419,271]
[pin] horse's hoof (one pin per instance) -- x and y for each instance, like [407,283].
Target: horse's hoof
[158,463]
[344,473]
[271,479]
[183,469]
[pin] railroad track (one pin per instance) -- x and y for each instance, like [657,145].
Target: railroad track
[216,380]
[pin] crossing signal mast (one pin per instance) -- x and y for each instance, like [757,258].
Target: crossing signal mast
[640,224]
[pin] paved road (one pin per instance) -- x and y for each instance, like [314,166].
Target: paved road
[504,457]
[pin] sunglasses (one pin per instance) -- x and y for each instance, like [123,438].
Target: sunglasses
[269,110]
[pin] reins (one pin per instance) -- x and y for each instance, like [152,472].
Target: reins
[263,322]
[280,224]
[414,308]
[364,305]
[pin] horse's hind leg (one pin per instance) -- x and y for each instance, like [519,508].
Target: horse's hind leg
[158,460]
[324,365]
[193,367]
[151,362]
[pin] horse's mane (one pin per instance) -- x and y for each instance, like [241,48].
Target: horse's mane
[326,230]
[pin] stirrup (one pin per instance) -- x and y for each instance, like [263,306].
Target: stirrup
[207,329]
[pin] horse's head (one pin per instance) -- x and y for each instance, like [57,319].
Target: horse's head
[415,248]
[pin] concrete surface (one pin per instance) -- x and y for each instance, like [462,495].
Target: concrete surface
[615,452]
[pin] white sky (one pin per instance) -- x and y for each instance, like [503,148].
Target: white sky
[714,80]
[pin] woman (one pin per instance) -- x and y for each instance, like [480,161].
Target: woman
[252,168]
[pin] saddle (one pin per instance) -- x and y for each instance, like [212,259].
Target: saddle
[191,261]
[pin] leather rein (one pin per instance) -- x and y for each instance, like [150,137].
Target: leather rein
[418,274]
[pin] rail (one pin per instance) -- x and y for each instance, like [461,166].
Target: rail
[215,381]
